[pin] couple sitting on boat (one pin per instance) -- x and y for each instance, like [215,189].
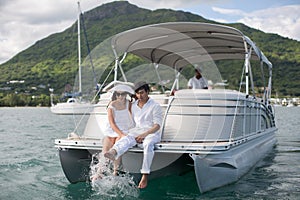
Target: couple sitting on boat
[132,123]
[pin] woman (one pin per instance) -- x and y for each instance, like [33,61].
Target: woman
[119,121]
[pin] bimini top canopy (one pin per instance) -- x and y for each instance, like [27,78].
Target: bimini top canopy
[181,43]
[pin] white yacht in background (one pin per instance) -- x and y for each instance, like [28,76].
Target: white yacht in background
[218,133]
[73,106]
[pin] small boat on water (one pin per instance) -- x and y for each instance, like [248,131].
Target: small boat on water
[73,106]
[218,133]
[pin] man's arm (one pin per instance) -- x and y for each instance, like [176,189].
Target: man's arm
[157,122]
[152,130]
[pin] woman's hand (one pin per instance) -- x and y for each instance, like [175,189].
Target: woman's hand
[120,136]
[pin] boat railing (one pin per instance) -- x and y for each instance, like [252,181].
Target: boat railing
[211,116]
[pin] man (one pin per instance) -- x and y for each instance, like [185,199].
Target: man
[147,115]
[198,81]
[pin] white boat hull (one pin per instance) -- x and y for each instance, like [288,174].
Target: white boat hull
[76,164]
[213,171]
[72,108]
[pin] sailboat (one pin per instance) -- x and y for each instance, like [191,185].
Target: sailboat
[75,104]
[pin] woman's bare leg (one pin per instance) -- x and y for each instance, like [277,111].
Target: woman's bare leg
[117,165]
[108,142]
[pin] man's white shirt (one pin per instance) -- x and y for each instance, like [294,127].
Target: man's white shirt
[195,83]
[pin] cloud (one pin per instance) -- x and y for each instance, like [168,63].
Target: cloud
[174,4]
[228,11]
[284,20]
[25,22]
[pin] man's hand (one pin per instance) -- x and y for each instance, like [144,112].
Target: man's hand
[141,137]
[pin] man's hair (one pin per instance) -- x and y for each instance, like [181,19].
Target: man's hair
[143,87]
[198,70]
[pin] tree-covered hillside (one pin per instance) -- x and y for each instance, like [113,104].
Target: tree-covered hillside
[52,62]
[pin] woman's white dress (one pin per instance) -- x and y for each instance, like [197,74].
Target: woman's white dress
[123,120]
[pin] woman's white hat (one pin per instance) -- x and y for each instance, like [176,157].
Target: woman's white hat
[125,88]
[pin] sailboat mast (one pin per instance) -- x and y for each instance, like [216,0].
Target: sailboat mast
[79,49]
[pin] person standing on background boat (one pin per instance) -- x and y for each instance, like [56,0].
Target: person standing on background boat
[147,115]
[198,81]
[119,122]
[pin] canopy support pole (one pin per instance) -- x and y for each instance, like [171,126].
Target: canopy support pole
[121,68]
[118,64]
[175,84]
[155,65]
[251,75]
[247,57]
[269,85]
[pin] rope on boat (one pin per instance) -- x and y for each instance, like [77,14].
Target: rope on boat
[237,102]
[93,100]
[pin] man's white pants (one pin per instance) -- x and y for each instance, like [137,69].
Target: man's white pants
[122,145]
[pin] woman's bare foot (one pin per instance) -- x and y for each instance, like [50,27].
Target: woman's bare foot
[144,181]
[111,154]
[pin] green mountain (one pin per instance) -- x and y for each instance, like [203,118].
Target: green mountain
[52,62]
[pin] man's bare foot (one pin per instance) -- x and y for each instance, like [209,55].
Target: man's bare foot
[96,177]
[115,173]
[111,154]
[144,181]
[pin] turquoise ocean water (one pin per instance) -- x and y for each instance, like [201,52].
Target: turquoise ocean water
[30,167]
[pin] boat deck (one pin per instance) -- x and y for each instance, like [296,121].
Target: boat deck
[170,147]
[211,147]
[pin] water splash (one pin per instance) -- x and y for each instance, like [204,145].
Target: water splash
[107,183]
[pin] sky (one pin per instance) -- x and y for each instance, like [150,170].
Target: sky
[24,22]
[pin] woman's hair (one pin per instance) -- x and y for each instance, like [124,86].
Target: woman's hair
[114,96]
